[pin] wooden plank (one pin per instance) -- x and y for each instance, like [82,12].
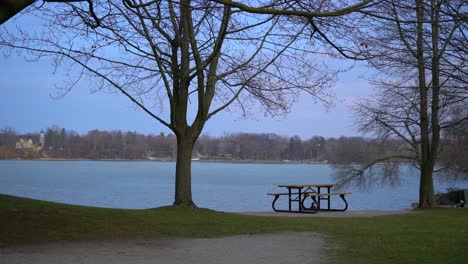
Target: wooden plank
[325,194]
[307,185]
[295,193]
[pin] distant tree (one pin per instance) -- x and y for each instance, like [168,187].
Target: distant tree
[54,138]
[202,145]
[8,137]
[312,148]
[295,148]
[99,144]
[75,145]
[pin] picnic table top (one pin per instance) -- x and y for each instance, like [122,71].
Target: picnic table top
[307,185]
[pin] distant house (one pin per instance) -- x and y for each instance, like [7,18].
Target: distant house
[27,145]
[30,145]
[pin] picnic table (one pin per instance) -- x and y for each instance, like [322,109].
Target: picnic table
[298,193]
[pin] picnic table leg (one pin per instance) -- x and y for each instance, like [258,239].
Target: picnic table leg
[318,198]
[289,195]
[300,199]
[273,203]
[344,200]
[329,197]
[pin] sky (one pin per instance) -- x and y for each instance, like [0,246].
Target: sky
[28,105]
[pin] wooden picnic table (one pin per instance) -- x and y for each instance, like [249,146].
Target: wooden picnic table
[300,192]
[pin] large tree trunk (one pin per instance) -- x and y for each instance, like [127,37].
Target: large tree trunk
[426,186]
[427,197]
[181,80]
[183,184]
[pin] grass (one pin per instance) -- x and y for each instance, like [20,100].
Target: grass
[430,236]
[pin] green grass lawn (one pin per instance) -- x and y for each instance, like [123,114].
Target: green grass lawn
[429,236]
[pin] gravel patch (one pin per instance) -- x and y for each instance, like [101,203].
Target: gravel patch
[269,248]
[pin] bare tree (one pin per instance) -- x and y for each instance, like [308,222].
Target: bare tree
[420,48]
[196,58]
[455,147]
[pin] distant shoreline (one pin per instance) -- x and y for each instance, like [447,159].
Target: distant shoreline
[171,160]
[198,160]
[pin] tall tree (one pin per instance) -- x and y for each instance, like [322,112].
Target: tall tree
[420,49]
[195,57]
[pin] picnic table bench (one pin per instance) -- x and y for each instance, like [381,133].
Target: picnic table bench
[300,192]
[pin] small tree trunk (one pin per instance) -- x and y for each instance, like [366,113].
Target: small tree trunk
[426,187]
[183,184]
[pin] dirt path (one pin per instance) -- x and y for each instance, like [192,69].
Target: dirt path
[271,248]
[366,213]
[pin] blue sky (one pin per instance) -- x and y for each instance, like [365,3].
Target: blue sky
[28,88]
[27,104]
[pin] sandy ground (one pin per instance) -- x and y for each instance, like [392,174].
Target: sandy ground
[366,213]
[281,248]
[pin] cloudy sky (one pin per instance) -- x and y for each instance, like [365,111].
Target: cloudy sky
[28,104]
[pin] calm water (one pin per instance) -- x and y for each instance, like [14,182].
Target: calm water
[218,186]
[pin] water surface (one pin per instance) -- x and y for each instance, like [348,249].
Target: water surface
[228,187]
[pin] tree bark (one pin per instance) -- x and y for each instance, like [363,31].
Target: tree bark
[183,184]
[426,185]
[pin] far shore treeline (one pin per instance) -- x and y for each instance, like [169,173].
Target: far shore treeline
[61,143]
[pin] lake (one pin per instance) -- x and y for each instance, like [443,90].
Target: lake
[230,187]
